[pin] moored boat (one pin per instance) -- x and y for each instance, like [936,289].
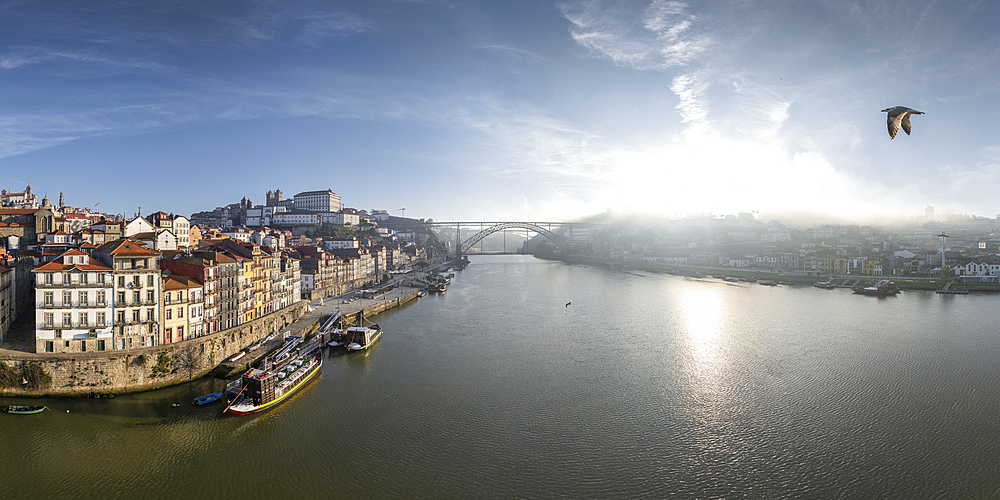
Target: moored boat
[358,338]
[280,377]
[882,288]
[237,356]
[24,410]
[207,399]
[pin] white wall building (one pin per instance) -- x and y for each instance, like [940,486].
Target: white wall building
[318,201]
[295,219]
[73,304]
[340,218]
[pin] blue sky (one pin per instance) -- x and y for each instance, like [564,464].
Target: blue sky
[505,110]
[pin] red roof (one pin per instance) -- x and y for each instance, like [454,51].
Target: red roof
[126,247]
[59,265]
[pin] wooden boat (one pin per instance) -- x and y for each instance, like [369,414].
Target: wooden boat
[280,377]
[207,399]
[24,410]
[237,356]
[358,338]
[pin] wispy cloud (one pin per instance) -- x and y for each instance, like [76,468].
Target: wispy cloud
[514,52]
[660,37]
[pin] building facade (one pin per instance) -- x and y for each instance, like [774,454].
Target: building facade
[74,304]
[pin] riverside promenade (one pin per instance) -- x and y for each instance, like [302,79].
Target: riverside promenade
[143,369]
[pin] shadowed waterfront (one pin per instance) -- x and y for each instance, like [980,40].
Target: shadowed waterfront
[646,385]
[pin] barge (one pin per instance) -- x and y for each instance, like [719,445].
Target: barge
[281,375]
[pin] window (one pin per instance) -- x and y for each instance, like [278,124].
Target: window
[100,278]
[101,297]
[67,319]
[135,315]
[101,319]
[167,297]
[83,278]
[136,297]
[84,298]
[121,299]
[67,298]
[48,319]
[149,280]
[121,316]
[180,333]
[100,345]
[65,278]
[180,296]
[121,282]
[48,296]
[169,312]
[135,281]
[149,296]
[84,320]
[48,278]
[180,312]
[149,315]
[49,346]
[167,334]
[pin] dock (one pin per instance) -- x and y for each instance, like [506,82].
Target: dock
[948,289]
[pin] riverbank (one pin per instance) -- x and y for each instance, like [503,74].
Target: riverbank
[110,373]
[783,278]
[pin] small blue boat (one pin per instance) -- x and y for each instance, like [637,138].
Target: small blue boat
[207,399]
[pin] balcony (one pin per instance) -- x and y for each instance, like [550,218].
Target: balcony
[74,305]
[74,284]
[74,326]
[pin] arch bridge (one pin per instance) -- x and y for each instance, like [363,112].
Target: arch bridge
[464,246]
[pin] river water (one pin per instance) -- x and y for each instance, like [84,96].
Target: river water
[645,386]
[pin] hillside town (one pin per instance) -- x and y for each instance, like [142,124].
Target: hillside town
[968,246]
[89,281]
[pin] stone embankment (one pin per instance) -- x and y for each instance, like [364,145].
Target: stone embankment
[119,372]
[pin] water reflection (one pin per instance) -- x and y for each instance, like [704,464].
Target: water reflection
[701,313]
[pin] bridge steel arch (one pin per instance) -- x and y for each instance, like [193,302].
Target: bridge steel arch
[467,245]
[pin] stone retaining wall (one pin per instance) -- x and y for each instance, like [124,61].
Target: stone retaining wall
[110,372]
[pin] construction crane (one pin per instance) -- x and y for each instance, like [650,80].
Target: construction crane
[401,211]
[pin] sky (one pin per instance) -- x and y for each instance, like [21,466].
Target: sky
[505,110]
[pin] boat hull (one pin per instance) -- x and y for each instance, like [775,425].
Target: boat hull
[207,399]
[246,409]
[24,410]
[360,347]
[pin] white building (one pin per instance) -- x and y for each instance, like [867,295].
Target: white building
[182,230]
[340,218]
[138,225]
[318,201]
[74,297]
[341,244]
[263,216]
[295,219]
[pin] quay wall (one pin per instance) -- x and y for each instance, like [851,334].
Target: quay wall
[134,370]
[384,305]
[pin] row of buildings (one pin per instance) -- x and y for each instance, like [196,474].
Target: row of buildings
[119,284]
[966,248]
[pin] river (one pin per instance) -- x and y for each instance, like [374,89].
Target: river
[643,386]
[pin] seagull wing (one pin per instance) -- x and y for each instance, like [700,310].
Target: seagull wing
[905,122]
[894,122]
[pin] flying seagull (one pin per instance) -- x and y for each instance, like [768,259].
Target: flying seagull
[899,116]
